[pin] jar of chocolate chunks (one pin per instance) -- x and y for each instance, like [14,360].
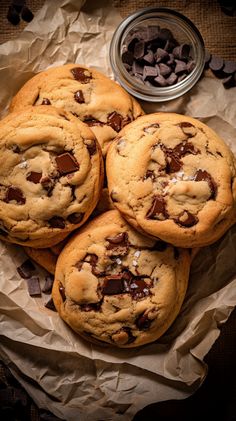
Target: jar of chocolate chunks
[157,54]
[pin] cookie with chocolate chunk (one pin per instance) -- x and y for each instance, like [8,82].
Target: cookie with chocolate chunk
[173,178]
[113,285]
[88,94]
[51,174]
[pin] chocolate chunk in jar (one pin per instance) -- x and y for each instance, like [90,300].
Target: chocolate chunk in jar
[14,194]
[66,163]
[27,269]
[34,177]
[158,209]
[186,219]
[82,75]
[57,222]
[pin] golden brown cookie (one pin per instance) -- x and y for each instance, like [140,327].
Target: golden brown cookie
[87,93]
[173,178]
[114,285]
[51,173]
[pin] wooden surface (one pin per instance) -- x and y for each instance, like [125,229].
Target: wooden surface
[216,398]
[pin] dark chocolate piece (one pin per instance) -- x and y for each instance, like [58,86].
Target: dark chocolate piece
[82,75]
[149,72]
[149,174]
[186,219]
[118,245]
[139,289]
[131,337]
[149,57]
[66,163]
[34,177]
[57,222]
[172,79]
[114,284]
[79,97]
[143,322]
[158,208]
[230,81]
[15,194]
[115,120]
[202,175]
[180,67]
[91,146]
[137,68]
[50,305]
[26,269]
[164,69]
[34,286]
[121,238]
[62,292]
[216,63]
[161,55]
[139,50]
[152,32]
[181,52]
[185,148]
[46,101]
[26,14]
[47,288]
[160,81]
[75,218]
[13,16]
[229,67]
[173,163]
[127,57]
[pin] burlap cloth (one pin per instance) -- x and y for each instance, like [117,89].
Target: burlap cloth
[218,393]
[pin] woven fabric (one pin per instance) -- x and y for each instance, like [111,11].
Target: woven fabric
[217,29]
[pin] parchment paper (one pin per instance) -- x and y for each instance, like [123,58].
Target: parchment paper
[63,373]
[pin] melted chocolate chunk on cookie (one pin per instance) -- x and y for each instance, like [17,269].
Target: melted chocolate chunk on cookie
[139,288]
[75,218]
[149,174]
[62,292]
[66,163]
[113,285]
[202,175]
[15,149]
[185,124]
[48,184]
[82,75]
[79,97]
[185,148]
[92,121]
[118,245]
[57,222]
[128,331]
[173,162]
[158,209]
[15,194]
[91,307]
[34,177]
[46,101]
[116,121]
[186,219]
[143,322]
[150,127]
[126,283]
[91,146]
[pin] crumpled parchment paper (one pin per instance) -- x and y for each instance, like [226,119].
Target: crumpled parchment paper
[63,373]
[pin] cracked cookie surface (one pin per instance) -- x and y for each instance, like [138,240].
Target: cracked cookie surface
[114,285]
[51,173]
[87,93]
[173,178]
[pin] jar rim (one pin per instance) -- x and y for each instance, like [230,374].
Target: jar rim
[156,94]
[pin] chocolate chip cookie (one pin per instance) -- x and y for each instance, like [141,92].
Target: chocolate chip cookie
[51,173]
[87,93]
[114,285]
[173,178]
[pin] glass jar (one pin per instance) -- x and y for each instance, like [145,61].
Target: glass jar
[183,31]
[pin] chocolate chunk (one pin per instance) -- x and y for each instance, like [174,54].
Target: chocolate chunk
[57,222]
[16,149]
[180,67]
[47,288]
[115,120]
[149,57]
[216,64]
[164,69]
[161,55]
[34,177]
[82,75]
[121,238]
[46,101]
[128,331]
[62,292]
[13,16]
[118,245]
[26,269]
[14,194]
[127,57]
[170,60]
[143,322]
[66,163]
[152,32]
[158,209]
[131,41]
[160,81]
[173,163]
[165,34]
[92,121]
[137,68]
[50,305]
[91,146]
[75,218]
[202,175]
[160,245]
[190,66]
[185,124]
[186,219]
[26,14]
[149,72]
[139,49]
[34,286]
[79,97]
[139,288]
[181,52]
[90,307]
[91,258]
[185,148]
[172,79]
[229,67]
[230,81]
[113,285]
